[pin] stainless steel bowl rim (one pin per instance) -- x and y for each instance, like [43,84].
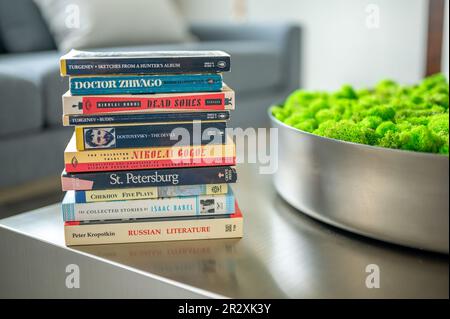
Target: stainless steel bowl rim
[435,156]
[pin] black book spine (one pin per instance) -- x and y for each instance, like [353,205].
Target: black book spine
[148,118]
[214,64]
[149,178]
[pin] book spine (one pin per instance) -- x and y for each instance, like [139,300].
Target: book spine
[148,178]
[156,117]
[153,231]
[87,66]
[150,158]
[139,84]
[134,136]
[148,208]
[74,104]
[149,192]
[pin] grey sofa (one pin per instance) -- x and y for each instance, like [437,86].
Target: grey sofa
[265,68]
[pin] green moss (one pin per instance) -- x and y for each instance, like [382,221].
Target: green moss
[439,124]
[391,139]
[327,115]
[420,139]
[411,117]
[386,113]
[386,127]
[345,130]
[371,121]
[308,125]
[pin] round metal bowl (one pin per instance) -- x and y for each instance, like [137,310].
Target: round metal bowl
[397,196]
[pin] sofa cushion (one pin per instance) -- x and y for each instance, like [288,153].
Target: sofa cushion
[32,156]
[83,24]
[255,65]
[20,105]
[54,86]
[22,27]
[42,70]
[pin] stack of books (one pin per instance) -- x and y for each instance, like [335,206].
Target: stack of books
[150,159]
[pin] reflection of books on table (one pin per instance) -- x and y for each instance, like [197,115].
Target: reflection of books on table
[176,260]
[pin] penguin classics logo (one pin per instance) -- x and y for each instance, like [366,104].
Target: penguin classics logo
[74,162]
[221,64]
[215,189]
[88,105]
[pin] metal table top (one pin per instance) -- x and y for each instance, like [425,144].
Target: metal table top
[284,254]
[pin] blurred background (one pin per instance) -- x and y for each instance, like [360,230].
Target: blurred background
[276,47]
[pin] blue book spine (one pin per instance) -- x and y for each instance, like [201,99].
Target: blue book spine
[102,137]
[147,117]
[148,178]
[149,192]
[180,206]
[141,84]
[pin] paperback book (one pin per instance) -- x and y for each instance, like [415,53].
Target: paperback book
[148,178]
[149,192]
[155,62]
[138,84]
[147,208]
[153,230]
[148,158]
[150,118]
[148,135]
[148,103]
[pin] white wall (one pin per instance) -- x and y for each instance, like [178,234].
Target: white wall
[337,45]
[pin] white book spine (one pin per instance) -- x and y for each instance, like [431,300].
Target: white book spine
[148,208]
[151,231]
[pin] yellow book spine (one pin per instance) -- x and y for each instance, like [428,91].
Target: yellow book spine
[174,153]
[148,192]
[79,138]
[121,194]
[65,120]
[63,67]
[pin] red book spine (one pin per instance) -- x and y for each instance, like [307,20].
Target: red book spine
[77,167]
[104,104]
